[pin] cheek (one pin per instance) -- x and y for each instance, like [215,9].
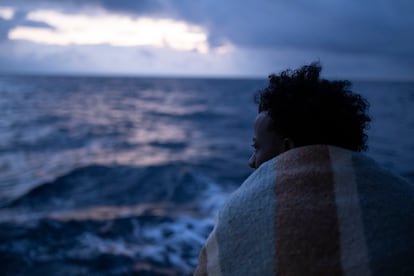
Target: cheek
[259,158]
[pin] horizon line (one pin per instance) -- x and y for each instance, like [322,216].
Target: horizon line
[181,76]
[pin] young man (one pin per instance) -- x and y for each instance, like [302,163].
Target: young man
[314,205]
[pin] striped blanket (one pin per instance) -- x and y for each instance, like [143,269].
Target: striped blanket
[315,210]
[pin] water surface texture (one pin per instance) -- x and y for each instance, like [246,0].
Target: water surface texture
[124,175]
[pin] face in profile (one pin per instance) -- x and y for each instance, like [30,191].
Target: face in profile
[267,143]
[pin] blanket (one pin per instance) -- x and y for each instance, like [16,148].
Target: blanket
[314,210]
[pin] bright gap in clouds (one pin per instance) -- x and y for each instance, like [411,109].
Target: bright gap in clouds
[6,13]
[115,30]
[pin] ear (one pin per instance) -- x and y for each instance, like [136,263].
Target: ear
[288,144]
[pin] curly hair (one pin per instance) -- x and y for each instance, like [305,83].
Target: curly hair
[310,110]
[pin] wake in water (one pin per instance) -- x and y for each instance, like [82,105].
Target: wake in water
[110,220]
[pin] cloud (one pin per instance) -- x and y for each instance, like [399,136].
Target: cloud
[142,7]
[14,18]
[6,13]
[116,30]
[336,26]
[341,32]
[28,57]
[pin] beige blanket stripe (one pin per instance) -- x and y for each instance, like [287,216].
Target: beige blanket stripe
[209,262]
[307,234]
[201,269]
[213,261]
[354,256]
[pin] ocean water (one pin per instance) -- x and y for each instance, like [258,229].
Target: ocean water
[107,175]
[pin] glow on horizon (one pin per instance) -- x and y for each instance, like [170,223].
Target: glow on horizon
[6,13]
[115,30]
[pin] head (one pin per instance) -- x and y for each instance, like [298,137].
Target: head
[266,142]
[298,108]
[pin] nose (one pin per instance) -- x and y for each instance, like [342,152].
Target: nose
[252,161]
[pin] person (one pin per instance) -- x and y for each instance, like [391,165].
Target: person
[315,205]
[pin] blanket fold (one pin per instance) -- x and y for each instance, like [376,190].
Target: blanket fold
[314,210]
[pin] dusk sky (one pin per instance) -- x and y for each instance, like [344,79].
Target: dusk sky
[250,38]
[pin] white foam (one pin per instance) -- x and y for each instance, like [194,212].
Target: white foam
[175,243]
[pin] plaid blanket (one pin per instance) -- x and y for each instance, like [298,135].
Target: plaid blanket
[315,210]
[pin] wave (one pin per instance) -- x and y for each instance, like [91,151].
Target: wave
[169,145]
[111,220]
[150,241]
[201,115]
[116,185]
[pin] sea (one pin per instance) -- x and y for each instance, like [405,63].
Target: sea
[124,175]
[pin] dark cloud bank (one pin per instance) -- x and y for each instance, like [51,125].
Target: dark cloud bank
[376,30]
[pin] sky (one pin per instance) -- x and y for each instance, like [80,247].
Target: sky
[352,39]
